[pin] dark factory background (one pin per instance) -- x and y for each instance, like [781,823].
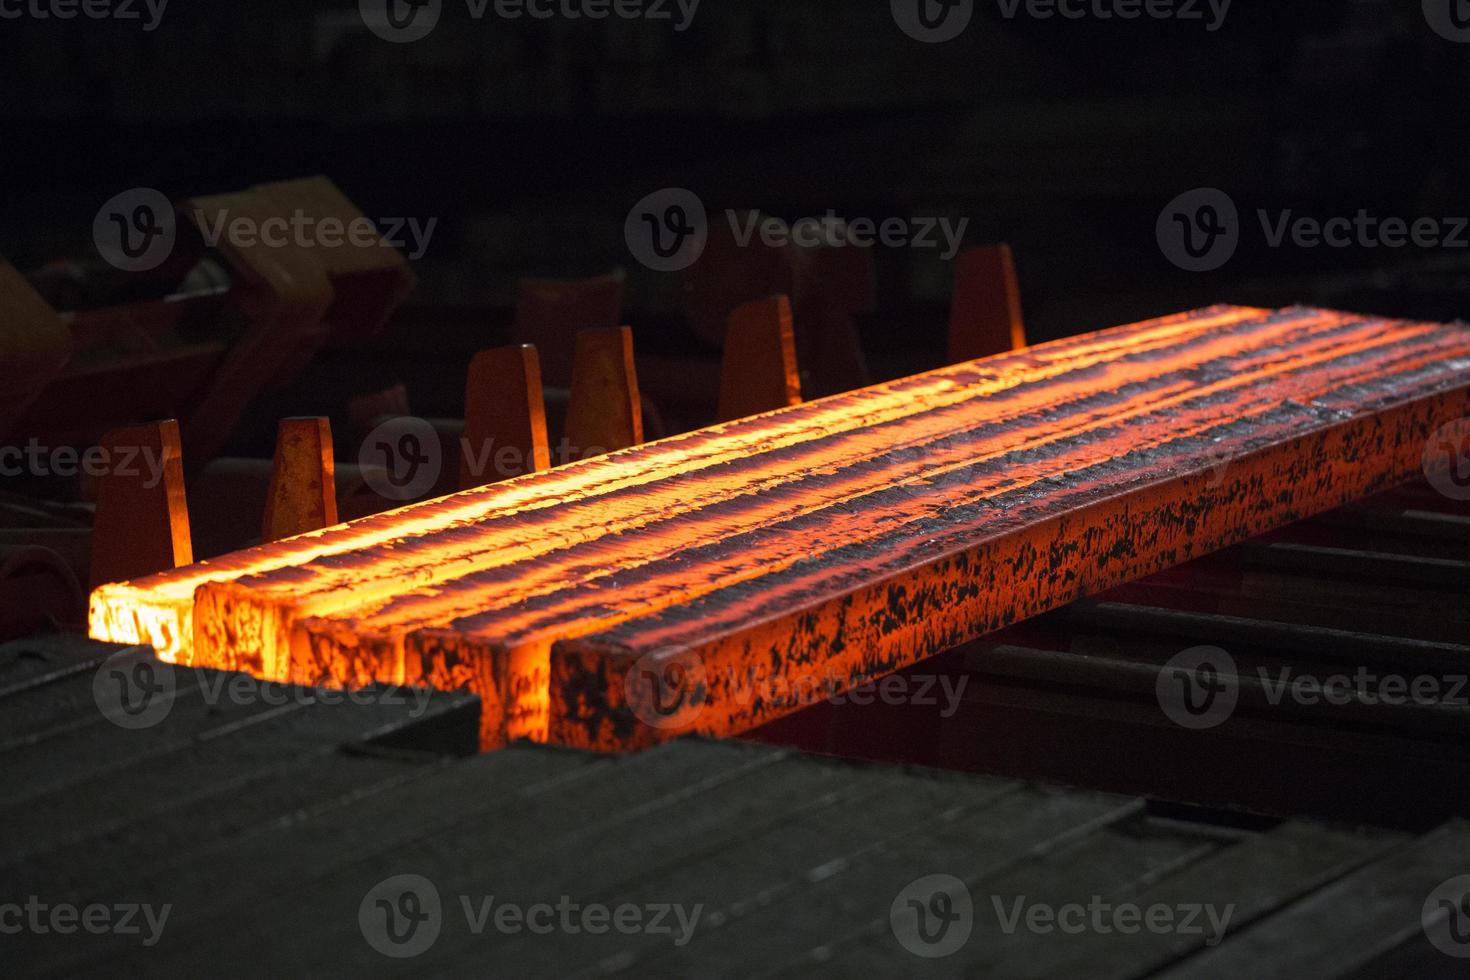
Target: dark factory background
[528,141]
[938,646]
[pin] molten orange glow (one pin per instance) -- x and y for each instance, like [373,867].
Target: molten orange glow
[479,589]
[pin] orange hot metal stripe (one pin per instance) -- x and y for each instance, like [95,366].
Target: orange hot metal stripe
[406,633]
[431,543]
[769,550]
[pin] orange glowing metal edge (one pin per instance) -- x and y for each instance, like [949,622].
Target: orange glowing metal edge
[529,590]
[158,610]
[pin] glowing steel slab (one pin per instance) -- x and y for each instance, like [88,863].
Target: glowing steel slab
[718,579]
